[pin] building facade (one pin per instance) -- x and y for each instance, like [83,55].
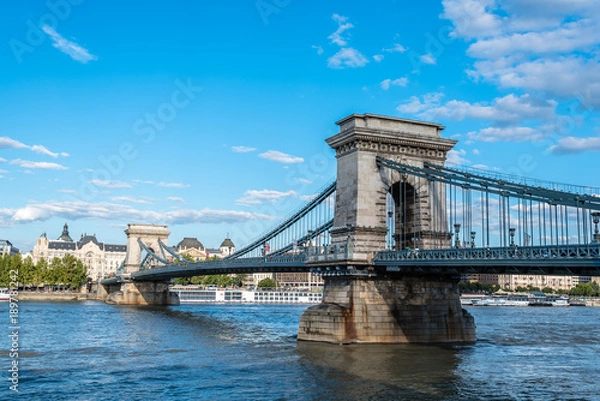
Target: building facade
[7,248]
[100,259]
[565,283]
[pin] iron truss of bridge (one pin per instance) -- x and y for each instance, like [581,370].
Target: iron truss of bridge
[496,225]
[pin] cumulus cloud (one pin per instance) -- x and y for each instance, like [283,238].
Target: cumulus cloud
[343,26]
[281,157]
[113,184]
[242,149]
[130,199]
[428,59]
[518,44]
[378,57]
[510,134]
[38,165]
[70,48]
[510,109]
[9,143]
[386,83]
[319,49]
[347,57]
[256,197]
[457,157]
[114,211]
[175,199]
[396,48]
[575,145]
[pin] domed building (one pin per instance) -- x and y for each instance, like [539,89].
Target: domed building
[100,259]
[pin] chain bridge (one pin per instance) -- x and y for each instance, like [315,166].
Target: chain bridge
[392,236]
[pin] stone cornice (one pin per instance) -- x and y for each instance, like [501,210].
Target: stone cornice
[376,136]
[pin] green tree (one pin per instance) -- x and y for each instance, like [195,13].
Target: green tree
[267,283]
[547,290]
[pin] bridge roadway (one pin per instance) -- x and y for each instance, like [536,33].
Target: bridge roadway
[579,260]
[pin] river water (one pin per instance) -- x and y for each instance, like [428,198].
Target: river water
[92,351]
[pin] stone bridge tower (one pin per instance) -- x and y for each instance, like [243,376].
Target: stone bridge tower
[150,234]
[419,207]
[123,290]
[373,305]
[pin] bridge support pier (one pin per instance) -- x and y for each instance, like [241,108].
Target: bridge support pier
[379,309]
[141,294]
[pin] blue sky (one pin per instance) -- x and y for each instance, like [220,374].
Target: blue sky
[210,117]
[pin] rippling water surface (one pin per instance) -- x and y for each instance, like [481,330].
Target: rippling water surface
[92,351]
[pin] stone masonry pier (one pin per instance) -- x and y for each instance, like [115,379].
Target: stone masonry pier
[388,310]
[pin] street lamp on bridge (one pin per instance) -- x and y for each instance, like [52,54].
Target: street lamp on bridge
[511,232]
[596,220]
[456,232]
[473,233]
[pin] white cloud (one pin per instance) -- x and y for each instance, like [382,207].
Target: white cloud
[68,191]
[510,134]
[386,83]
[428,59]
[281,157]
[242,149]
[130,199]
[343,26]
[9,143]
[509,109]
[2,160]
[378,57]
[456,157]
[397,48]
[175,199]
[475,151]
[553,49]
[472,18]
[575,145]
[38,165]
[172,185]
[304,181]
[72,49]
[113,184]
[76,210]
[319,49]
[256,197]
[143,182]
[347,57]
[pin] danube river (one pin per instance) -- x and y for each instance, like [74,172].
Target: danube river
[92,351]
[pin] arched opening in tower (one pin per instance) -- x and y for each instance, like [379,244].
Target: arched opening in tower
[403,217]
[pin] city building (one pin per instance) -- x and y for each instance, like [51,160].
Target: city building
[191,247]
[565,283]
[6,248]
[227,248]
[100,259]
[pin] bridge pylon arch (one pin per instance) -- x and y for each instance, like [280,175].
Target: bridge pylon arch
[361,214]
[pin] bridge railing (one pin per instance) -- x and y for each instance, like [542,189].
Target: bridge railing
[591,251]
[327,253]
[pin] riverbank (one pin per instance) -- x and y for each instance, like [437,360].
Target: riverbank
[55,296]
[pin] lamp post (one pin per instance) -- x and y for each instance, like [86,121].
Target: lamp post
[596,220]
[511,232]
[390,225]
[473,233]
[456,232]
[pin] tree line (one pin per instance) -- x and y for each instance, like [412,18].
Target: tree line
[66,273]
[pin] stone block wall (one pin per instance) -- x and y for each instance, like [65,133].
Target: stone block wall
[388,310]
